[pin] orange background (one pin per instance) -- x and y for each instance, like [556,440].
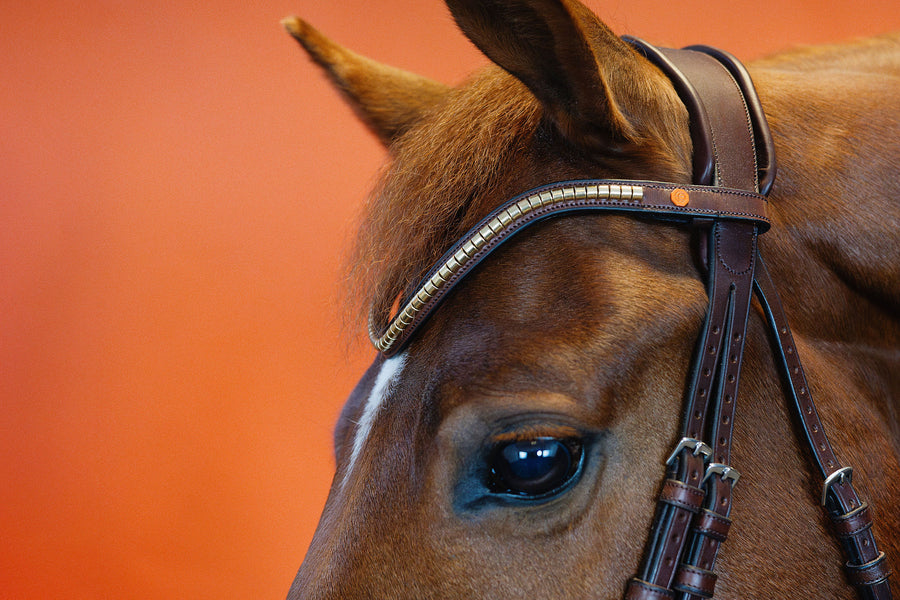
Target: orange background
[177,184]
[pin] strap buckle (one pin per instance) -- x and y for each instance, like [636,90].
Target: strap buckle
[841,476]
[695,446]
[723,471]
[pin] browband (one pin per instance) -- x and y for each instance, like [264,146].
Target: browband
[658,200]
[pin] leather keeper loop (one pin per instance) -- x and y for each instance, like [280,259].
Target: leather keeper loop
[682,495]
[870,573]
[712,525]
[853,523]
[695,581]
[639,589]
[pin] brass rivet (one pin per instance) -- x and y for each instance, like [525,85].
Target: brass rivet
[680,197]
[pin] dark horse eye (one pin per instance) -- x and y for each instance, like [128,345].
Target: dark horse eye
[534,467]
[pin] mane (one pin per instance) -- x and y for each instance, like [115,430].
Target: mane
[432,192]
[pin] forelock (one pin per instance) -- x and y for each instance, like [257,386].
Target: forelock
[437,186]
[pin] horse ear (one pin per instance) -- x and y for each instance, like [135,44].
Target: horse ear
[570,60]
[388,100]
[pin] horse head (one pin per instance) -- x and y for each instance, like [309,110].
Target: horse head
[514,447]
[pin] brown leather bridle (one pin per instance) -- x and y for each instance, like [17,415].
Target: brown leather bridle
[734,170]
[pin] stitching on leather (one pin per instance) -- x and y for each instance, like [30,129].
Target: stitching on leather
[671,494]
[718,519]
[710,531]
[854,522]
[869,573]
[856,531]
[705,573]
[715,151]
[680,504]
[677,485]
[727,267]
[652,589]
[703,582]
[858,513]
[703,188]
[749,124]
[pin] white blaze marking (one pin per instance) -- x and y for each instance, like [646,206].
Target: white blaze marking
[384,383]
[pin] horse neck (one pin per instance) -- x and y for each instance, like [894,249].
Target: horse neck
[831,248]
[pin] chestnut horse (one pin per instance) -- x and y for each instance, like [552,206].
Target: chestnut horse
[571,345]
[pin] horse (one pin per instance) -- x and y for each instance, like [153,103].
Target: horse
[572,343]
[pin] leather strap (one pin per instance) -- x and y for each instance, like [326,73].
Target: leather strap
[725,142]
[661,200]
[866,568]
[722,125]
[762,135]
[695,581]
[712,525]
[643,590]
[682,495]
[733,129]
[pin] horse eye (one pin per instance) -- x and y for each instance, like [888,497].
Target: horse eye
[535,467]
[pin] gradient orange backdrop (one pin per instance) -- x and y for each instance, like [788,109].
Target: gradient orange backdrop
[177,184]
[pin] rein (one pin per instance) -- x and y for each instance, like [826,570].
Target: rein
[734,170]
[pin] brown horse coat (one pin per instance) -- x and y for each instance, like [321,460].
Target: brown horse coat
[583,327]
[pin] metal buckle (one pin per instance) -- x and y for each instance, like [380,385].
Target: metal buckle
[723,471]
[695,446]
[839,477]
